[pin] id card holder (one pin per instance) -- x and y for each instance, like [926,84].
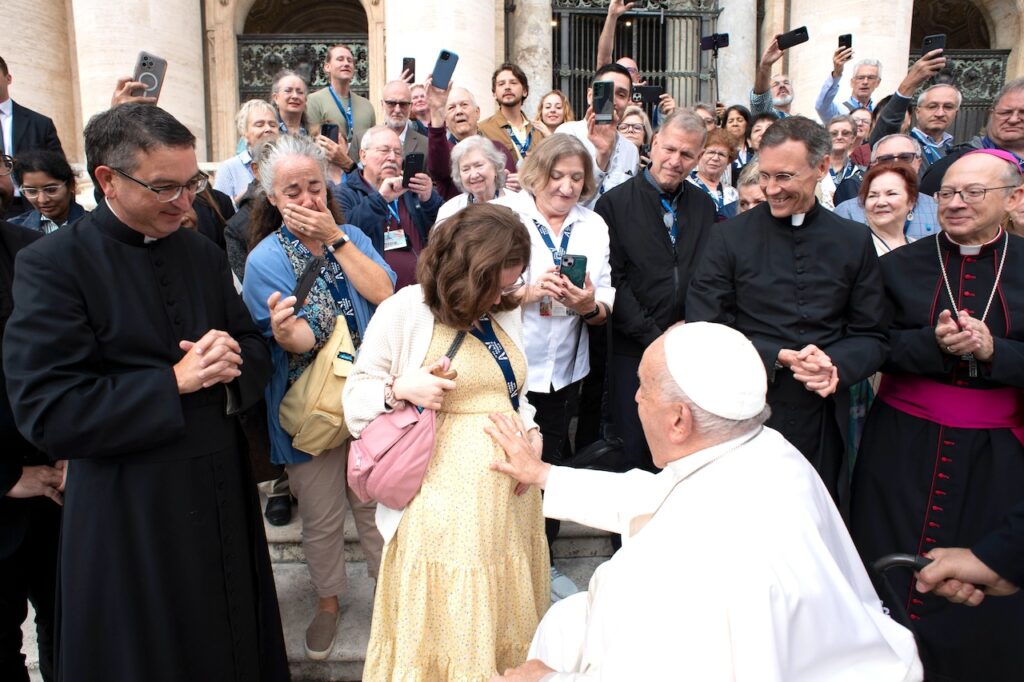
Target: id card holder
[559,310]
[395,239]
[545,306]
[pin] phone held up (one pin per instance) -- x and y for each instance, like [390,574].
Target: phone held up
[444,68]
[846,41]
[933,42]
[330,131]
[414,163]
[575,269]
[603,102]
[409,64]
[794,37]
[150,71]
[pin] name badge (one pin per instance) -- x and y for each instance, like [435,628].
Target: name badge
[552,308]
[395,239]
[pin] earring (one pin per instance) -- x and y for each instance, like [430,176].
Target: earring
[910,216]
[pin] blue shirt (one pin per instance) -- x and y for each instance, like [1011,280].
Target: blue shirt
[234,175]
[925,221]
[267,270]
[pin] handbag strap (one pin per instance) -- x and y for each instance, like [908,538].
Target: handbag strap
[456,343]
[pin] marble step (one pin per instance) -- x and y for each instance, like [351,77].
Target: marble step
[345,662]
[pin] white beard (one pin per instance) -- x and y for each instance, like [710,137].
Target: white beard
[782,101]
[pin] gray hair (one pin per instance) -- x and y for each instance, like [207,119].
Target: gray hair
[959,97]
[750,175]
[247,109]
[268,158]
[710,426]
[705,106]
[1016,85]
[868,62]
[364,141]
[799,129]
[917,145]
[472,97]
[281,75]
[483,145]
[688,122]
[634,110]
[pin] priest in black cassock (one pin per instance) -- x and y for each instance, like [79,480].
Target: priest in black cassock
[129,353]
[803,285]
[941,462]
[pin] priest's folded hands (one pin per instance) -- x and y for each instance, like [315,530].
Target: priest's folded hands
[213,359]
[812,367]
[963,335]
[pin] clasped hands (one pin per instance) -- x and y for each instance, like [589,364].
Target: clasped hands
[557,286]
[812,367]
[962,335]
[41,481]
[213,359]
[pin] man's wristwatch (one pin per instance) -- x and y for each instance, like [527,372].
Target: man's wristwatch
[340,242]
[593,313]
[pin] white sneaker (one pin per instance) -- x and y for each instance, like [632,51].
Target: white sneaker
[562,585]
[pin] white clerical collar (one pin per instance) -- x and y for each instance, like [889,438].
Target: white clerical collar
[975,249]
[797,219]
[145,239]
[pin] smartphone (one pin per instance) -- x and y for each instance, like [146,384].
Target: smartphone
[846,41]
[794,37]
[934,42]
[444,67]
[575,268]
[330,131]
[414,163]
[307,279]
[150,71]
[409,64]
[603,102]
[646,94]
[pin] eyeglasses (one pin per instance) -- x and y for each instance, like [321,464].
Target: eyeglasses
[514,287]
[905,157]
[387,151]
[1008,113]
[631,127]
[392,103]
[165,194]
[841,133]
[935,106]
[865,78]
[292,91]
[716,152]
[6,164]
[969,195]
[780,178]
[632,69]
[49,190]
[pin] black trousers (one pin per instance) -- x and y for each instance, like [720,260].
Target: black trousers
[591,408]
[625,383]
[29,574]
[554,412]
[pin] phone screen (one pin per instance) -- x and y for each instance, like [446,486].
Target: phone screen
[604,101]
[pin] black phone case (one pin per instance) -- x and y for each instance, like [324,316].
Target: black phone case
[307,279]
[933,42]
[794,37]
[846,40]
[604,101]
[413,164]
[330,131]
[409,64]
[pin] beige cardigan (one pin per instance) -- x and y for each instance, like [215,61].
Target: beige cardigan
[397,340]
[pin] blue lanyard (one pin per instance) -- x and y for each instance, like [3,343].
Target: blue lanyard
[843,174]
[393,210]
[490,340]
[670,220]
[854,105]
[347,113]
[451,140]
[932,152]
[334,277]
[717,197]
[556,254]
[523,148]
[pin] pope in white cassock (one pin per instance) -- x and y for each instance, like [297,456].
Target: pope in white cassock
[735,563]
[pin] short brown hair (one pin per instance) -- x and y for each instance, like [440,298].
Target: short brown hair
[536,169]
[723,138]
[460,269]
[904,171]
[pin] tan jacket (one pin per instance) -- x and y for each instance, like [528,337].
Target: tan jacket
[494,128]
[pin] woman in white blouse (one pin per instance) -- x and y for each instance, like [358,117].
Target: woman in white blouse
[478,169]
[556,177]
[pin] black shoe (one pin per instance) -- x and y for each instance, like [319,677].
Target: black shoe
[279,510]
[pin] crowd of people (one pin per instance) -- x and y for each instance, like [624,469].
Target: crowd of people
[800,330]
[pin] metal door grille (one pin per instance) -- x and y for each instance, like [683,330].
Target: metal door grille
[662,36]
[260,56]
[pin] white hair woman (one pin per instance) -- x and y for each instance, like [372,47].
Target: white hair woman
[478,171]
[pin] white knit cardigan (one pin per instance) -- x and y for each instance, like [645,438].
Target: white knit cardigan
[397,340]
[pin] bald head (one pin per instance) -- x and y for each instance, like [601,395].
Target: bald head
[973,220]
[631,66]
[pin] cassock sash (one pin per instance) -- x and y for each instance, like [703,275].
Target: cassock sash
[954,406]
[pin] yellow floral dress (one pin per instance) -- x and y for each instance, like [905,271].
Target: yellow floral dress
[465,580]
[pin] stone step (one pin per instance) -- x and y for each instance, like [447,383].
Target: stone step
[574,541]
[345,662]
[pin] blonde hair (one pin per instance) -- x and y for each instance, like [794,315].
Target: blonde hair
[536,170]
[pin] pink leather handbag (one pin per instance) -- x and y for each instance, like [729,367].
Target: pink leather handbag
[388,461]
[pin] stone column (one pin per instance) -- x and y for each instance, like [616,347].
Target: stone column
[421,30]
[108,37]
[38,55]
[737,63]
[531,48]
[883,35]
